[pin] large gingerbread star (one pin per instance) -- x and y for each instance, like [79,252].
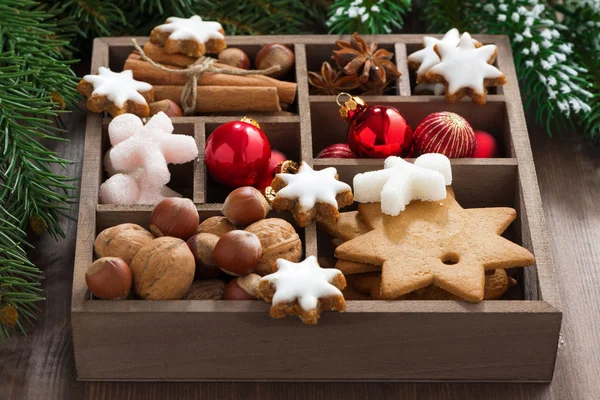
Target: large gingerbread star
[437,243]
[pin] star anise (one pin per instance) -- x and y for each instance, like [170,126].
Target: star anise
[331,82]
[371,64]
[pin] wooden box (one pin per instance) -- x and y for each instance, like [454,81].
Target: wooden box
[504,340]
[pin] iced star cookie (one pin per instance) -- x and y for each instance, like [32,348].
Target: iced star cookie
[190,36]
[116,92]
[311,194]
[466,70]
[303,289]
[436,243]
[422,60]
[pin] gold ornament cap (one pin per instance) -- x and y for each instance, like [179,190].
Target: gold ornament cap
[351,107]
[250,121]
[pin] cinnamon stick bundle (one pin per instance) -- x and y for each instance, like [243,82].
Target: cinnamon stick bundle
[222,99]
[145,72]
[158,54]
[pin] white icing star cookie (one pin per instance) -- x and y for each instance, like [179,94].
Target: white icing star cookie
[466,70]
[303,289]
[309,194]
[424,59]
[190,36]
[116,92]
[401,182]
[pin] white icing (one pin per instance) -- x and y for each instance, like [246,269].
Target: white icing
[138,162]
[309,186]
[427,57]
[436,88]
[118,87]
[306,282]
[192,28]
[466,65]
[401,182]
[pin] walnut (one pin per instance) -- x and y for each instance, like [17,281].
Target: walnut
[279,240]
[211,289]
[122,241]
[163,269]
[216,225]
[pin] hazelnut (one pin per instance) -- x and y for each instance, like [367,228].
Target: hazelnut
[175,217]
[237,252]
[211,289]
[279,240]
[245,205]
[167,106]
[275,54]
[109,278]
[163,269]
[242,288]
[235,58]
[202,246]
[217,225]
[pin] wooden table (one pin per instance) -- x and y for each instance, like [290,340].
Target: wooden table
[41,365]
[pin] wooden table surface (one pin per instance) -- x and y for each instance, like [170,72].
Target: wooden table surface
[41,365]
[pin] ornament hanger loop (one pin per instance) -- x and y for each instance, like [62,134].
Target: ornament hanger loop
[337,99]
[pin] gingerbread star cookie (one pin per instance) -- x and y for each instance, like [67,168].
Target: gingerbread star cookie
[347,227]
[466,70]
[303,289]
[311,194]
[436,243]
[422,60]
[190,36]
[116,92]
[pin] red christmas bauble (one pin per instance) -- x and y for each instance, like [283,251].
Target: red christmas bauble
[237,153]
[486,145]
[446,133]
[338,150]
[380,132]
[267,178]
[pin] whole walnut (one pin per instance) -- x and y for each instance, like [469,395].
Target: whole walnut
[163,269]
[217,225]
[122,241]
[210,289]
[279,240]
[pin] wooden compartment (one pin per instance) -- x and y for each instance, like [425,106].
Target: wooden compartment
[500,341]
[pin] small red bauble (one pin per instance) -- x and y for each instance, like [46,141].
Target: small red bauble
[338,150]
[237,153]
[486,145]
[380,132]
[446,133]
[267,178]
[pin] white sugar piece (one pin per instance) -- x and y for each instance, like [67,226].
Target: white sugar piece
[127,189]
[152,148]
[401,182]
[123,127]
[465,65]
[427,56]
[437,162]
[310,187]
[118,87]
[305,282]
[108,164]
[192,28]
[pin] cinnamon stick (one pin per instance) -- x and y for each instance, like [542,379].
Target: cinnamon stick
[221,99]
[158,54]
[143,71]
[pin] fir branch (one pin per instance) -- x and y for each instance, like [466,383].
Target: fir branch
[367,16]
[443,15]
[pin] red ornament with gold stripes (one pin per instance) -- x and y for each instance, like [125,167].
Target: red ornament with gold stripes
[446,133]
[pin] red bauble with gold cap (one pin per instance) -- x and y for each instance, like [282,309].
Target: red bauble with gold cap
[376,131]
[237,153]
[446,133]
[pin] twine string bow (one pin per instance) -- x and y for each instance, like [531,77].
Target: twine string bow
[193,71]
